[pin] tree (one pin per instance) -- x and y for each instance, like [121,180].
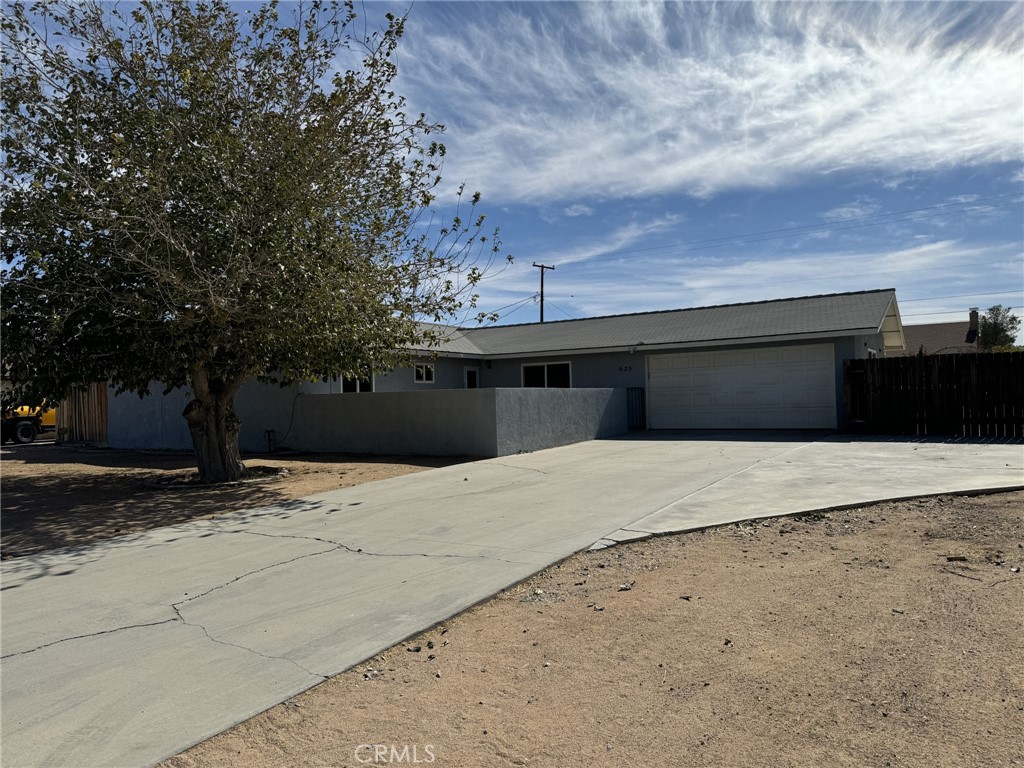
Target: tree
[998,329]
[197,196]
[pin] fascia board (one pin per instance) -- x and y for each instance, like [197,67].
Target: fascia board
[641,347]
[891,328]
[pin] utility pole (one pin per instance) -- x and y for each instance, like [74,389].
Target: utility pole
[541,267]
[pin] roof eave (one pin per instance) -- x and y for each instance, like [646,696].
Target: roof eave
[891,328]
[641,347]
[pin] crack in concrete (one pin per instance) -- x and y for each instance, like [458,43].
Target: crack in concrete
[87,635]
[346,548]
[335,546]
[255,571]
[525,469]
[246,648]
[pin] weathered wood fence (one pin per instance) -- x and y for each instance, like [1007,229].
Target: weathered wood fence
[980,395]
[82,417]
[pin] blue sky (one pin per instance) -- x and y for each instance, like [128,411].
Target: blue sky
[686,154]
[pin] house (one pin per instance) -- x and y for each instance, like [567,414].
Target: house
[758,365]
[936,339]
[768,364]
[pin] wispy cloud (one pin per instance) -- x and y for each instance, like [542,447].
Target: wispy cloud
[928,269]
[857,209]
[617,240]
[578,210]
[611,100]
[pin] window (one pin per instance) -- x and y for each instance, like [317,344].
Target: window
[356,385]
[551,375]
[423,373]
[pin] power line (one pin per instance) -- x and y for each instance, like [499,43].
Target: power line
[885,218]
[517,304]
[514,303]
[876,272]
[605,257]
[811,229]
[961,296]
[508,314]
[954,312]
[555,306]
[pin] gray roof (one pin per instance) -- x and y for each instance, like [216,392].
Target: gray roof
[835,314]
[936,339]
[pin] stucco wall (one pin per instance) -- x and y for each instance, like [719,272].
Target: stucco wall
[155,422]
[429,423]
[532,419]
[442,422]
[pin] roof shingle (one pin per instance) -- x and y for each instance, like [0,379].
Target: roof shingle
[839,313]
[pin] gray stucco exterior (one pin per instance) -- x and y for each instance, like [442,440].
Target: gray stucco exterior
[443,422]
[629,369]
[447,414]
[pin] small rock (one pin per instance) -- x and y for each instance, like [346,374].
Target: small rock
[1015,569]
[687,598]
[437,675]
[538,591]
[627,586]
[727,642]
[414,648]
[956,559]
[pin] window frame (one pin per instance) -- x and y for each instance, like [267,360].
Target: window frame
[524,366]
[359,385]
[421,378]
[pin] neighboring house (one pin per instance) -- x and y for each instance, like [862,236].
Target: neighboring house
[936,339]
[761,365]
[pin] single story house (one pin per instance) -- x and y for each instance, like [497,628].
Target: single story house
[759,365]
[937,339]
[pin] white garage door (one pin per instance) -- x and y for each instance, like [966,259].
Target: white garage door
[771,388]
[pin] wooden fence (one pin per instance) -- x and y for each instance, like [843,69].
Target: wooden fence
[980,395]
[82,417]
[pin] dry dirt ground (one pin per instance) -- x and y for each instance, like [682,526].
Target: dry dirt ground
[888,635]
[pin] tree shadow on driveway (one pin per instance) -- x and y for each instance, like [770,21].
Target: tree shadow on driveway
[56,496]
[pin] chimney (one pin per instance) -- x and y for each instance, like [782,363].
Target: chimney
[972,328]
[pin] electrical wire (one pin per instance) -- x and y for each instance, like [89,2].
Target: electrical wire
[953,312]
[961,296]
[551,304]
[811,229]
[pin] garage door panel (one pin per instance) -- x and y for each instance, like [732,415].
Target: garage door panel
[771,388]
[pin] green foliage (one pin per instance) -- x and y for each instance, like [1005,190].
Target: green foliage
[195,195]
[997,330]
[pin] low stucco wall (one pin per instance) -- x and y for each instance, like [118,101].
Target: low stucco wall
[456,422]
[446,422]
[532,419]
[452,422]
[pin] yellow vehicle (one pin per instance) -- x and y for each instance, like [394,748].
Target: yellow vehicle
[23,424]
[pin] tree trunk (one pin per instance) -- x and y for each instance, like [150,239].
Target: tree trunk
[214,428]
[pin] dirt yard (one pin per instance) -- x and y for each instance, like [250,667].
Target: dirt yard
[55,496]
[888,635]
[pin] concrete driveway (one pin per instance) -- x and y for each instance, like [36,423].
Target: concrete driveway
[127,651]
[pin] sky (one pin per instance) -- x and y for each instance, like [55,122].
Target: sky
[667,155]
